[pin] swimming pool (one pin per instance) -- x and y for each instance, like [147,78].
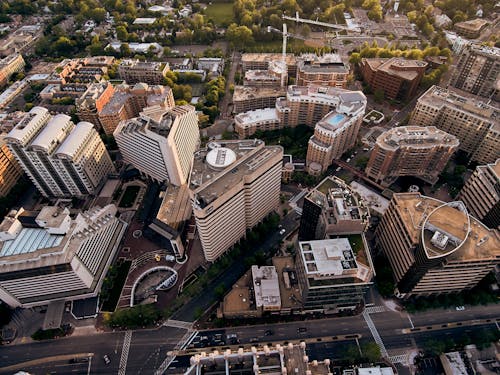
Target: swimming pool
[336,119]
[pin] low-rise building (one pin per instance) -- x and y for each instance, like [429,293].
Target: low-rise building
[325,70]
[20,40]
[247,98]
[417,151]
[135,71]
[471,29]
[84,70]
[266,288]
[10,65]
[128,101]
[332,208]
[398,78]
[47,256]
[332,275]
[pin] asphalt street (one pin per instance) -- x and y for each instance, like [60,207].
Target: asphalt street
[232,273]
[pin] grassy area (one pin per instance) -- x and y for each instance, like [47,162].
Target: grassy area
[113,285]
[220,13]
[293,140]
[128,197]
[356,242]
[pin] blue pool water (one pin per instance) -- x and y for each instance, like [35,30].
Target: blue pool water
[334,120]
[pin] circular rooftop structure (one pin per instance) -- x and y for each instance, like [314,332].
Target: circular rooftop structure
[220,157]
[445,229]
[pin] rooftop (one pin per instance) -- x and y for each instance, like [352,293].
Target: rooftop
[250,92]
[267,57]
[208,181]
[257,116]
[327,63]
[52,132]
[416,137]
[396,66]
[175,207]
[74,141]
[439,97]
[266,287]
[28,125]
[446,229]
[333,259]
[473,25]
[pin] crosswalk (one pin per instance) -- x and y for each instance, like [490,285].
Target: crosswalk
[375,309]
[400,358]
[178,324]
[182,344]
[375,333]
[124,357]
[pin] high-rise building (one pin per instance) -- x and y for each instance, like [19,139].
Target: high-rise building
[333,278]
[336,133]
[161,143]
[478,71]
[481,194]
[325,70]
[332,208]
[234,185]
[435,247]
[61,159]
[127,101]
[417,151]
[10,170]
[398,78]
[474,122]
[135,71]
[46,256]
[92,102]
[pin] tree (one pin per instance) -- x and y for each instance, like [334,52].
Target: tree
[122,33]
[378,95]
[125,49]
[239,36]
[63,46]
[371,351]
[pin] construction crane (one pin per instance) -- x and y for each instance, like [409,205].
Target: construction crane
[318,23]
[286,35]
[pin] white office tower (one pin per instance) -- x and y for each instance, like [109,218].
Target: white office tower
[233,186]
[46,256]
[60,158]
[161,143]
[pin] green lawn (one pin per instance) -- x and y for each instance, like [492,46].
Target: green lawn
[356,242]
[220,13]
[113,285]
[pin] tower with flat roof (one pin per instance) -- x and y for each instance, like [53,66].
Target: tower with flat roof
[435,247]
[481,194]
[60,158]
[234,185]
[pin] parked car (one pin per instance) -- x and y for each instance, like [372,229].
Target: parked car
[106,359]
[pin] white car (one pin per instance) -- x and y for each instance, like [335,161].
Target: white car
[460,308]
[282,232]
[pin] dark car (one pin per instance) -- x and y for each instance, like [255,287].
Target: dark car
[269,333]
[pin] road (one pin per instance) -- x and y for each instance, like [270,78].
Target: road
[147,350]
[232,274]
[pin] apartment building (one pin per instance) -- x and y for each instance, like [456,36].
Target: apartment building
[20,40]
[10,170]
[435,247]
[60,158]
[234,185]
[247,98]
[128,101]
[332,208]
[478,71]
[160,143]
[474,122]
[85,70]
[47,256]
[325,70]
[417,151]
[337,132]
[92,102]
[302,105]
[10,65]
[471,29]
[332,277]
[135,71]
[481,194]
[261,61]
[398,78]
